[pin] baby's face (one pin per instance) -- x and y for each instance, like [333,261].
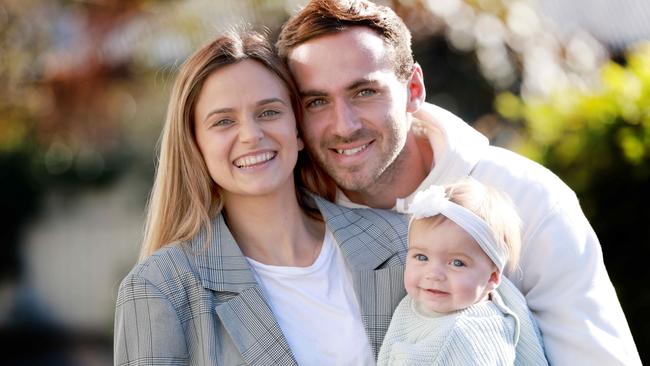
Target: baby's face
[446,270]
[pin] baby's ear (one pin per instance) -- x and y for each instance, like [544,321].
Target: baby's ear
[495,280]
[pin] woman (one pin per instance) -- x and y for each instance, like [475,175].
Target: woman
[239,265]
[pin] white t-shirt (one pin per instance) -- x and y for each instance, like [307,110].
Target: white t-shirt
[316,309]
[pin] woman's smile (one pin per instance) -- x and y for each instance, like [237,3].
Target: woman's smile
[254,159]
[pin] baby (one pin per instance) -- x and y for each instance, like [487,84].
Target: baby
[461,238]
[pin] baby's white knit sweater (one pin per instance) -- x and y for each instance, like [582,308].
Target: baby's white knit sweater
[482,334]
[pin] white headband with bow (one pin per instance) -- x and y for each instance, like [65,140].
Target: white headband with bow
[433,201]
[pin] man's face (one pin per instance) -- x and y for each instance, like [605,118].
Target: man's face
[355,108]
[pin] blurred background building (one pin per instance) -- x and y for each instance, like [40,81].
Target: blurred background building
[83,93]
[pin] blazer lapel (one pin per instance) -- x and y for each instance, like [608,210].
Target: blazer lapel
[246,315]
[254,329]
[378,292]
[374,245]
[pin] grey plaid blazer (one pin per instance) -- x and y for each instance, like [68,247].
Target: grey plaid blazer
[191,304]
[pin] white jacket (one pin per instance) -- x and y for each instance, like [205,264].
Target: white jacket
[562,275]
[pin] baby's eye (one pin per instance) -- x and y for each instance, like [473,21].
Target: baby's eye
[421,257]
[457,263]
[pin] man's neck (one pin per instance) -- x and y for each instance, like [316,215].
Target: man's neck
[401,179]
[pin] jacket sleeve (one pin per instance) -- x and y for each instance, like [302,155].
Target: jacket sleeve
[570,294]
[147,328]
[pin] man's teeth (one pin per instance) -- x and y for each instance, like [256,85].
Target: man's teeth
[351,151]
[251,160]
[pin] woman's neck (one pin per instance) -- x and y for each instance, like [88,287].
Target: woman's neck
[274,229]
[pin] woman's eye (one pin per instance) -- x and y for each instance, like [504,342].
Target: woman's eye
[457,263]
[420,257]
[223,122]
[269,113]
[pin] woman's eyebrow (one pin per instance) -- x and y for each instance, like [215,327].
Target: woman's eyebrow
[270,100]
[229,110]
[217,111]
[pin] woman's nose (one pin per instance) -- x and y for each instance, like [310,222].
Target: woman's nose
[250,132]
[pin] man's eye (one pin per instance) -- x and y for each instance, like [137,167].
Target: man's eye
[315,103]
[367,93]
[421,257]
[457,263]
[269,113]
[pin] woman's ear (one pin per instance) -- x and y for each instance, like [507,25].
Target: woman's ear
[415,92]
[495,280]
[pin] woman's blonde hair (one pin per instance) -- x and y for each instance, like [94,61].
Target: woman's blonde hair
[184,197]
[494,208]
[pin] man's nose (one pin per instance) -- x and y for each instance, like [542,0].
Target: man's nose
[347,120]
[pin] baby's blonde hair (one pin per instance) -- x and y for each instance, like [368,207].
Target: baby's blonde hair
[496,209]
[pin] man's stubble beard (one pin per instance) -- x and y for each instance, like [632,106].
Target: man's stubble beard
[381,175]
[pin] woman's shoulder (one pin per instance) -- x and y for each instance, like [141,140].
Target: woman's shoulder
[168,269]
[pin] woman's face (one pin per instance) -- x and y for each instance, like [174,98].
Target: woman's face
[246,130]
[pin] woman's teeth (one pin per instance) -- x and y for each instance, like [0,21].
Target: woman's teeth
[251,160]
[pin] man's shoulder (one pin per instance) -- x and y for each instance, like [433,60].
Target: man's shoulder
[520,177]
[380,232]
[381,217]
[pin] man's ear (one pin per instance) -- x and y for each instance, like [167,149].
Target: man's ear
[495,280]
[301,144]
[416,92]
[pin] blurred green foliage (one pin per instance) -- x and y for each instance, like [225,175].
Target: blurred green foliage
[597,139]
[581,133]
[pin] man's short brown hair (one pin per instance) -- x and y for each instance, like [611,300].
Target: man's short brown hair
[321,17]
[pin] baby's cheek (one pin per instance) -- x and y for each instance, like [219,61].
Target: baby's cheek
[411,279]
[471,286]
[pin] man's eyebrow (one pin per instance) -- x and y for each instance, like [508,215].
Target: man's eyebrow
[312,93]
[361,82]
[355,85]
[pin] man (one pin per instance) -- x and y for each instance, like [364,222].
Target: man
[360,89]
